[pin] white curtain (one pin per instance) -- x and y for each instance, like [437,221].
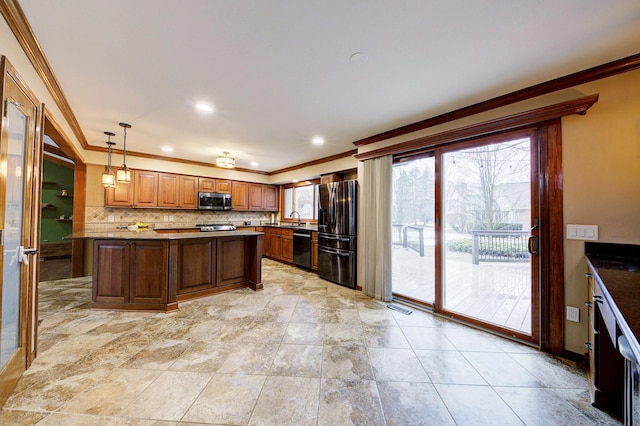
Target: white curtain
[375,232]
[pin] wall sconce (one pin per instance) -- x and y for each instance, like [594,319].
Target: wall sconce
[108,178]
[123,175]
[225,161]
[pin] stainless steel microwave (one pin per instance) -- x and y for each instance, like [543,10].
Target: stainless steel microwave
[214,201]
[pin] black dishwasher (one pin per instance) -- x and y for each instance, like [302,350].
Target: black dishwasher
[302,248]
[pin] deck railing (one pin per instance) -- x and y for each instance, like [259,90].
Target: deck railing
[499,246]
[413,238]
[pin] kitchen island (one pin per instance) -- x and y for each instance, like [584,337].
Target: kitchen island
[151,271]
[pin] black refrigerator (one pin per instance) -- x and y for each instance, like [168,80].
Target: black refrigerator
[337,228]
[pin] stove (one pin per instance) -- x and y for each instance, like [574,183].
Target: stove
[209,227]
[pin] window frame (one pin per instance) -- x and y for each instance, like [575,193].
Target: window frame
[309,182]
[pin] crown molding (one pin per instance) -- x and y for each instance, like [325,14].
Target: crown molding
[511,122]
[315,162]
[609,69]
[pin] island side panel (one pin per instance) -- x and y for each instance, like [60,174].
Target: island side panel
[196,265]
[232,262]
[110,272]
[149,272]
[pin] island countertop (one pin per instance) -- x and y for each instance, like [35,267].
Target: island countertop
[150,234]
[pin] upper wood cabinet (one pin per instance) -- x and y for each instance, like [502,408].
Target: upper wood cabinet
[222,186]
[239,195]
[206,185]
[270,197]
[145,188]
[120,196]
[168,190]
[255,196]
[188,192]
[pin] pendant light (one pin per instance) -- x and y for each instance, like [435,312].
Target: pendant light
[225,161]
[108,178]
[124,174]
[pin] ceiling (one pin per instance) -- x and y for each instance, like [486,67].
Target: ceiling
[279,72]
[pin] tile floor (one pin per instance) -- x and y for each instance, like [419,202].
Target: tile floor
[301,352]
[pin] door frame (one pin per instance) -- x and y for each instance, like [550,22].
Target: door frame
[547,127]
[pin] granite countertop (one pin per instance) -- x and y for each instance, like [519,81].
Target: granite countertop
[149,234]
[617,270]
[269,225]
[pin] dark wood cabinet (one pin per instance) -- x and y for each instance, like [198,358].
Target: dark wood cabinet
[232,261]
[270,197]
[239,195]
[110,271]
[281,244]
[145,188]
[287,245]
[168,190]
[187,192]
[130,272]
[255,196]
[606,366]
[196,265]
[120,196]
[147,274]
[266,240]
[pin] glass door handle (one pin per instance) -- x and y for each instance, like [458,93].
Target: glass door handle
[533,245]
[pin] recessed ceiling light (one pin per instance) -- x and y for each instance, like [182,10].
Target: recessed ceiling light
[255,164]
[167,149]
[318,140]
[204,107]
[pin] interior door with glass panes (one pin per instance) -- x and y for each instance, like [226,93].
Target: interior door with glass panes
[19,197]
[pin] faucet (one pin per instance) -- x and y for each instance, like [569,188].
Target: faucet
[298,216]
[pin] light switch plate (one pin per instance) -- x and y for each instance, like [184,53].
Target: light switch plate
[582,232]
[573,314]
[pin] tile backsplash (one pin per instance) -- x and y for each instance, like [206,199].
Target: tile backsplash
[107,218]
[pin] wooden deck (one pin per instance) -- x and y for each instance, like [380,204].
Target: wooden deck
[496,292]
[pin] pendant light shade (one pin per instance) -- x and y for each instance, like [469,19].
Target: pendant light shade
[123,175]
[108,178]
[225,161]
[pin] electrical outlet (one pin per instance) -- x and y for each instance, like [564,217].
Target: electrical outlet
[573,314]
[171,218]
[166,218]
[110,218]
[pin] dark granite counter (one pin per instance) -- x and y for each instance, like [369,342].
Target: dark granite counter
[616,269]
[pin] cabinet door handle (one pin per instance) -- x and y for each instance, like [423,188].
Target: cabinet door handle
[588,275]
[597,298]
[588,304]
[588,345]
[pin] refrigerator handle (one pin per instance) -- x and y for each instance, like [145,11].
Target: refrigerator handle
[322,218]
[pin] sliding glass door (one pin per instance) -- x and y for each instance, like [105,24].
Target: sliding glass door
[413,228]
[464,223]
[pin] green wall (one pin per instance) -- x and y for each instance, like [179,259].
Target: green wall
[55,178]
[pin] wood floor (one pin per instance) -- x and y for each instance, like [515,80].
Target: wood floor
[496,292]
